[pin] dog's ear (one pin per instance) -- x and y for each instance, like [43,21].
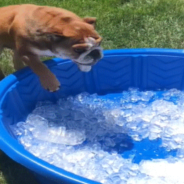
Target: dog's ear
[90,20]
[57,34]
[69,31]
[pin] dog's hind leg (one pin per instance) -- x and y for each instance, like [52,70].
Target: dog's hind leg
[2,76]
[18,64]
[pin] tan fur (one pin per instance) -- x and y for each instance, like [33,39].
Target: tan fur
[31,31]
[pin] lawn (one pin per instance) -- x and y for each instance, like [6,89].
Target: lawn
[122,24]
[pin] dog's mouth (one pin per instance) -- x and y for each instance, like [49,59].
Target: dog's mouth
[88,59]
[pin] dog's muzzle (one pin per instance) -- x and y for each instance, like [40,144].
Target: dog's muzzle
[95,55]
[89,58]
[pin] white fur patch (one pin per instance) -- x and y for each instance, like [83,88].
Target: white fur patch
[83,60]
[84,68]
[42,52]
[90,42]
[48,53]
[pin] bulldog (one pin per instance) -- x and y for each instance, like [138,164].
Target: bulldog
[33,31]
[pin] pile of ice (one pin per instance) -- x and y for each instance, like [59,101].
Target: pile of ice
[80,134]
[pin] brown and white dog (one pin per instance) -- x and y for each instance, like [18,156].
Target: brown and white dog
[32,31]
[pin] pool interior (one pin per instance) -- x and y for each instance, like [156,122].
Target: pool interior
[136,150]
[113,74]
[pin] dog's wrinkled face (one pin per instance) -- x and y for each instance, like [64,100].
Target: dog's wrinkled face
[89,53]
[79,42]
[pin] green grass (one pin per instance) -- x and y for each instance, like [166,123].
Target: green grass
[13,173]
[122,24]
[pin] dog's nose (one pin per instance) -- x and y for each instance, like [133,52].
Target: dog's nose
[95,54]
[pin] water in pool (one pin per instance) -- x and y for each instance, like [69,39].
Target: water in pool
[129,138]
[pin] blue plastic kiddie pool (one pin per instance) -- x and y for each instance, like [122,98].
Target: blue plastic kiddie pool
[146,69]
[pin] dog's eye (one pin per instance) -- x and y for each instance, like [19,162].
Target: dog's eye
[79,51]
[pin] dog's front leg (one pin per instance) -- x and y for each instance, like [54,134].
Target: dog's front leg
[47,78]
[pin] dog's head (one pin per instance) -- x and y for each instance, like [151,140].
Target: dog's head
[77,40]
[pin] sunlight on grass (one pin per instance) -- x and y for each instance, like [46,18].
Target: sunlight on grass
[6,61]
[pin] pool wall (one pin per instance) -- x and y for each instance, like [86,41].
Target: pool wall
[146,69]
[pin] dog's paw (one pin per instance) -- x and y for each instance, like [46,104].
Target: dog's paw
[50,83]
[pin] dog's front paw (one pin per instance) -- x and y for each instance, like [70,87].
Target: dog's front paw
[50,83]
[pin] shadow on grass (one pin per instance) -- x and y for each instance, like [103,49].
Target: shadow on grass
[125,1]
[13,173]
